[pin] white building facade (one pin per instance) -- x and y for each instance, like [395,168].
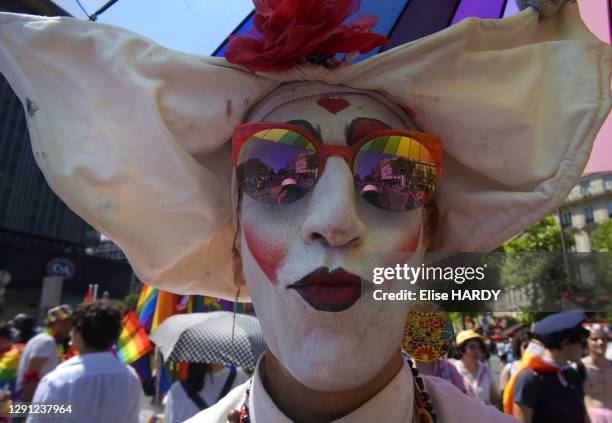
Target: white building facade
[588,204]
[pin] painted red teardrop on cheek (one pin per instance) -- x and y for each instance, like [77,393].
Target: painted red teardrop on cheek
[267,252]
[333,105]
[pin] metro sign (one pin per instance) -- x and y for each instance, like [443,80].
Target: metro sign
[61,267]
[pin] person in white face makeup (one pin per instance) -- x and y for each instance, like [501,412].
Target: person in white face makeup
[333,170]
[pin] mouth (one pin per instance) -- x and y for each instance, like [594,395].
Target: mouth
[326,290]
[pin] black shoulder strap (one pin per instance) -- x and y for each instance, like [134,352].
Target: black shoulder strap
[228,383]
[193,396]
[581,370]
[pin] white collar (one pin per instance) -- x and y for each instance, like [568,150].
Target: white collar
[88,358]
[385,403]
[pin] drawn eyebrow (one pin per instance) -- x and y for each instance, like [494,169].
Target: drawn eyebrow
[308,126]
[360,127]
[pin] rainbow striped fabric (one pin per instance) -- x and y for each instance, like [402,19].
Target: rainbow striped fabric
[133,341]
[9,361]
[400,146]
[284,136]
[57,313]
[145,308]
[88,298]
[156,418]
[166,306]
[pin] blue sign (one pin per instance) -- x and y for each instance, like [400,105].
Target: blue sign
[62,267]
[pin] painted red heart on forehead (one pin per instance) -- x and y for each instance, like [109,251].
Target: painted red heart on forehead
[333,105]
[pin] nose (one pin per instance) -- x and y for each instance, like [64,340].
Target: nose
[332,217]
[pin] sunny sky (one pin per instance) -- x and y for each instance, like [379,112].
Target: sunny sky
[192,26]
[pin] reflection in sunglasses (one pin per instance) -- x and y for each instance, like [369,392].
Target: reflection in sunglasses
[277,168]
[280,166]
[398,171]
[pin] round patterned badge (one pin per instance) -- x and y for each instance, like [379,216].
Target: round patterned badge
[427,335]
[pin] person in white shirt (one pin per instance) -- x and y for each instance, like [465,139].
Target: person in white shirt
[41,355]
[94,384]
[204,386]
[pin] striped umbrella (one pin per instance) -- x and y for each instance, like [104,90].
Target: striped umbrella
[207,338]
[403,21]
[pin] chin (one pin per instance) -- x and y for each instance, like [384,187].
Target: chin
[337,367]
[327,351]
[323,350]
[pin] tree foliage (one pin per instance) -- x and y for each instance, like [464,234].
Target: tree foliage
[544,236]
[601,237]
[528,266]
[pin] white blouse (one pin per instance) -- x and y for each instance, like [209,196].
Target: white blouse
[179,407]
[480,385]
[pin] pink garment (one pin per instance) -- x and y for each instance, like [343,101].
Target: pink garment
[600,415]
[445,370]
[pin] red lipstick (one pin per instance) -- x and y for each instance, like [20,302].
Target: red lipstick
[326,290]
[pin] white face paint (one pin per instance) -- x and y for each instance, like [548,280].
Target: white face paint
[330,227]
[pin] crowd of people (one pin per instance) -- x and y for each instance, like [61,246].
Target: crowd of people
[555,371]
[559,360]
[70,363]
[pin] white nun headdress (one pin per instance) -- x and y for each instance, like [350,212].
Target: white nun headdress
[134,136]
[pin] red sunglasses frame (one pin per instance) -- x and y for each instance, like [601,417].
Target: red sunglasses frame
[243,132]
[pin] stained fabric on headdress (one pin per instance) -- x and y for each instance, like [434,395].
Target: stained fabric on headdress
[134,137]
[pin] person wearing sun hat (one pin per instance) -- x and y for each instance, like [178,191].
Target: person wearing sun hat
[180,160]
[41,355]
[477,376]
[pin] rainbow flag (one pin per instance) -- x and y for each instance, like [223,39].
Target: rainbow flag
[9,361]
[143,366]
[166,306]
[145,308]
[156,418]
[88,298]
[133,341]
[203,304]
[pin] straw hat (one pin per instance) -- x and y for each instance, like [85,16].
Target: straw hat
[466,335]
[134,136]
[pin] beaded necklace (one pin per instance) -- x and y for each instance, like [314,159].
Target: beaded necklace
[424,410]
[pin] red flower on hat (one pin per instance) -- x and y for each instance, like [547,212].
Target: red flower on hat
[288,32]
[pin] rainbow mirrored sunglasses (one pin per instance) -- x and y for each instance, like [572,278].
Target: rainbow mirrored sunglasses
[279,163]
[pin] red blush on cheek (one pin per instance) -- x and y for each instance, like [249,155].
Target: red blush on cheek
[403,250]
[410,244]
[333,105]
[267,252]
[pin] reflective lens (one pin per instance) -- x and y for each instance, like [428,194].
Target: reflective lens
[277,166]
[395,173]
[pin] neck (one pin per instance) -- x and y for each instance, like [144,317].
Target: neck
[88,350]
[599,360]
[470,364]
[557,356]
[317,406]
